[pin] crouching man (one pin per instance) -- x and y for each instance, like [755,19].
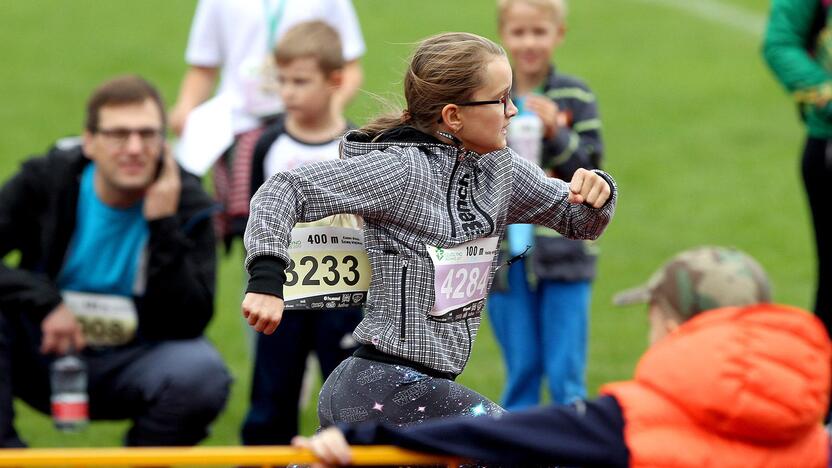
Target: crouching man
[117,263]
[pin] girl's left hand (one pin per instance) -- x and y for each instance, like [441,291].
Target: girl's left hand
[588,187]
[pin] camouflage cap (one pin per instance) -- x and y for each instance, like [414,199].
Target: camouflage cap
[701,279]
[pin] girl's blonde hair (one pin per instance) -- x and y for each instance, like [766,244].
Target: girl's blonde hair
[444,69]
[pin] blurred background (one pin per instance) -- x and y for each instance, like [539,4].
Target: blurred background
[702,142]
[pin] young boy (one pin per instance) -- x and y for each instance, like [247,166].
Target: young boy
[539,308]
[310,66]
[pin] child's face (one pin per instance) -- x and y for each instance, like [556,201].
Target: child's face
[484,126]
[304,88]
[530,35]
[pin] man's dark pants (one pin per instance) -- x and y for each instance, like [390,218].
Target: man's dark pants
[171,390]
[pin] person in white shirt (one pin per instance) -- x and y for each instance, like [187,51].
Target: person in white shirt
[232,42]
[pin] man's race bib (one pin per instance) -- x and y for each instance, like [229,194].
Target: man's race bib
[461,278]
[258,80]
[329,269]
[107,320]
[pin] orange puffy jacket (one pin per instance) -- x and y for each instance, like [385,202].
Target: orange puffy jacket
[732,387]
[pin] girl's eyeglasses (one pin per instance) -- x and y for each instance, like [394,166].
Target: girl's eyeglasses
[503,100]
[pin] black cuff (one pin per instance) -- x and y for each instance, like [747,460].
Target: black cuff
[610,182]
[46,304]
[268,274]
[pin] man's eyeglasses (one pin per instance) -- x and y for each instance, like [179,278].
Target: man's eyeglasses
[503,100]
[119,136]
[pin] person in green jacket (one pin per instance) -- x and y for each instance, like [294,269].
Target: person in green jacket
[798,48]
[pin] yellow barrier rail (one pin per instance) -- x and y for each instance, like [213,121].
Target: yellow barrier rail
[209,456]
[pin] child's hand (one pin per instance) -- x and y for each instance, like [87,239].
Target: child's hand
[547,110]
[329,446]
[588,187]
[263,311]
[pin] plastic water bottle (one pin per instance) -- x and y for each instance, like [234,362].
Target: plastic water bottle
[525,137]
[525,134]
[70,403]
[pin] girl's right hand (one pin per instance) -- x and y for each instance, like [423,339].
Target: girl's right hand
[589,188]
[263,311]
[329,446]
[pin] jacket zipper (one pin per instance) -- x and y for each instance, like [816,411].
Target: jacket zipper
[450,188]
[477,207]
[402,299]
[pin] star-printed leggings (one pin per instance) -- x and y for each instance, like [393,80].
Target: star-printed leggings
[363,390]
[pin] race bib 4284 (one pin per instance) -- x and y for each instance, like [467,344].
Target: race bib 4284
[461,278]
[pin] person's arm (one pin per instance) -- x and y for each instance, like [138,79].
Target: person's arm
[25,291]
[579,209]
[205,56]
[353,76]
[181,266]
[21,198]
[582,434]
[785,50]
[341,16]
[197,86]
[367,185]
[574,144]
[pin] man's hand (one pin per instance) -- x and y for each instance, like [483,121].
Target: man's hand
[61,331]
[263,311]
[162,197]
[329,446]
[588,187]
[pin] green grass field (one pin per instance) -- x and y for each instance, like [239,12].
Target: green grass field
[701,140]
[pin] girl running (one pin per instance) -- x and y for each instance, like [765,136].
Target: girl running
[436,187]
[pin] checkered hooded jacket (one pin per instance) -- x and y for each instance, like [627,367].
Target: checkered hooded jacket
[414,191]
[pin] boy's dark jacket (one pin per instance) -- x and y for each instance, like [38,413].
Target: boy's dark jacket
[37,218]
[577,145]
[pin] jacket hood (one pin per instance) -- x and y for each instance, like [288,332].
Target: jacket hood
[405,134]
[758,373]
[356,142]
